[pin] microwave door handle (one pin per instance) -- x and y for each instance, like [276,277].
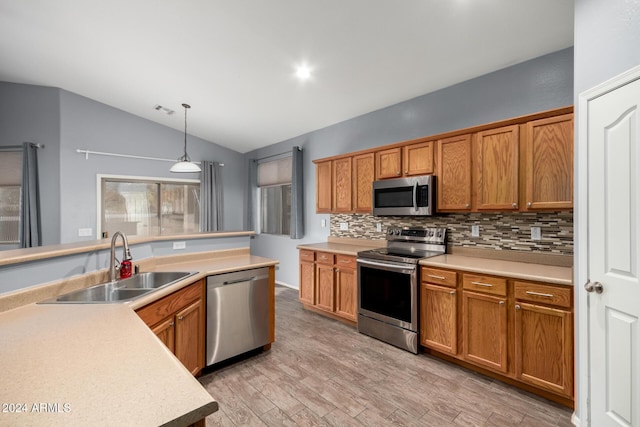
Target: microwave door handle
[415,196]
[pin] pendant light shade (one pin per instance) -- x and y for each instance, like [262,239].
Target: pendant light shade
[184,163]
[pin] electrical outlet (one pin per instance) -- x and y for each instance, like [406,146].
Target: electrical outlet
[85,232]
[344,226]
[535,233]
[475,231]
[323,223]
[379,227]
[179,245]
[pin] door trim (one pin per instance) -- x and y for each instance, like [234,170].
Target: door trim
[582,356]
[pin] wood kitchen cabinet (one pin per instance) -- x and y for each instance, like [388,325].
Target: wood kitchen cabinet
[389,163]
[363,177]
[454,173]
[324,192]
[544,336]
[417,159]
[548,163]
[179,322]
[341,200]
[497,168]
[484,324]
[307,277]
[329,285]
[438,310]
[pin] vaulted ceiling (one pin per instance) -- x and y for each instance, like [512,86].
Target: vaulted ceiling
[234,61]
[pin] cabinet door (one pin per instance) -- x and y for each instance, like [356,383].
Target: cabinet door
[389,163]
[323,187]
[454,173]
[549,163]
[166,332]
[497,168]
[346,293]
[189,347]
[418,159]
[324,287]
[544,347]
[438,318]
[484,330]
[363,176]
[307,276]
[342,185]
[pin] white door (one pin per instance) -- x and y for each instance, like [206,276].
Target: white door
[613,220]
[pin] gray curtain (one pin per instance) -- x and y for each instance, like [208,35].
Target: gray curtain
[252,191]
[297,196]
[211,203]
[30,224]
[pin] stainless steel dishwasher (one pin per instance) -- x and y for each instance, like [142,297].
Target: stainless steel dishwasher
[237,313]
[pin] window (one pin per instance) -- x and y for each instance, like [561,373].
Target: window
[149,207]
[10,189]
[274,180]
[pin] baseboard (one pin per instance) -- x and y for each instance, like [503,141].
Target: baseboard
[286,285]
[575,420]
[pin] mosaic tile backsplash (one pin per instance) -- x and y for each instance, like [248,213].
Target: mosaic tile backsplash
[499,231]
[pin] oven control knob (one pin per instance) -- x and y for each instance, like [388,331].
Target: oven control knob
[390,231]
[397,231]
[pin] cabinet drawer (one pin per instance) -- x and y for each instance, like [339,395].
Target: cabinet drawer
[324,258]
[489,285]
[345,261]
[439,277]
[159,310]
[546,294]
[306,255]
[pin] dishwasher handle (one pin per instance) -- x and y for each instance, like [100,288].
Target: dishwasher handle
[231,282]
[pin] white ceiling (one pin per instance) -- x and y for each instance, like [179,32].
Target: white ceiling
[234,60]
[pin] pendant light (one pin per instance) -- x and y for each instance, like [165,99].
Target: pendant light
[184,163]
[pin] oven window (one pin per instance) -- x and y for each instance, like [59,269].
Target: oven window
[386,292]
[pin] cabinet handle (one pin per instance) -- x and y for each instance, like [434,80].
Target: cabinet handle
[539,294]
[467,205]
[337,270]
[344,261]
[398,173]
[529,204]
[452,293]
[436,277]
[172,324]
[488,285]
[180,317]
[517,307]
[514,205]
[501,302]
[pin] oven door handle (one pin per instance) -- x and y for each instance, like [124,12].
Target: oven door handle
[415,196]
[396,267]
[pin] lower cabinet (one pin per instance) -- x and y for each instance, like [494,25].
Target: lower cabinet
[328,283]
[522,331]
[179,322]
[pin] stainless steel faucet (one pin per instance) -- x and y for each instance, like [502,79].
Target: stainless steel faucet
[126,253]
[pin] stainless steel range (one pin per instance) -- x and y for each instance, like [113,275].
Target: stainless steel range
[388,278]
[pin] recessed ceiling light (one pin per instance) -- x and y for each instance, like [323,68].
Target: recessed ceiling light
[303,72]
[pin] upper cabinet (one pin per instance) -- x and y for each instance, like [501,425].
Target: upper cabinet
[362,188]
[548,163]
[520,164]
[454,173]
[497,155]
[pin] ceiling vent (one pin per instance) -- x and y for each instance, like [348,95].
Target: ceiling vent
[167,111]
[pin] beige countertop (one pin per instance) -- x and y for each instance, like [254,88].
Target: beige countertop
[99,362]
[344,246]
[517,270]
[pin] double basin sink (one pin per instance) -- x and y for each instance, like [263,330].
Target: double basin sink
[122,290]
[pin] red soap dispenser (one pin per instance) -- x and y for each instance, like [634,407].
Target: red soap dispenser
[126,267]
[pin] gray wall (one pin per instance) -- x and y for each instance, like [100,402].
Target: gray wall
[536,85]
[606,42]
[32,114]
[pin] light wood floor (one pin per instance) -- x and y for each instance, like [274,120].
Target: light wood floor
[320,372]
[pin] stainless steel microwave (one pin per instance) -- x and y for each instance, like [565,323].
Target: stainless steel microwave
[405,196]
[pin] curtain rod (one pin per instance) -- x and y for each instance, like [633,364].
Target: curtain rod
[130,156]
[19,147]
[279,154]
